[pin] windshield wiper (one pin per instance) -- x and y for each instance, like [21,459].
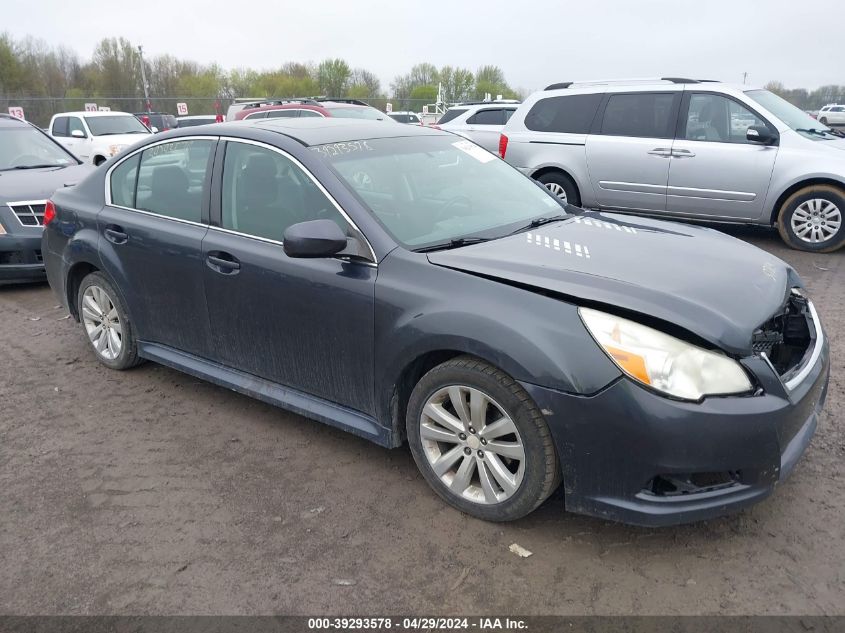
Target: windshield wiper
[453,243]
[816,131]
[537,222]
[32,167]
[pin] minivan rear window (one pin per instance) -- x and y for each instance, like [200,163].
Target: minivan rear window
[571,114]
[645,115]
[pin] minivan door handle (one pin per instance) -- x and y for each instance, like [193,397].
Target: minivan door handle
[115,234]
[661,151]
[223,263]
[682,153]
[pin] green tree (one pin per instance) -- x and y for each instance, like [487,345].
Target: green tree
[427,93]
[332,77]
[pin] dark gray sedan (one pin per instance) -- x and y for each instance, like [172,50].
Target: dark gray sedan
[404,284]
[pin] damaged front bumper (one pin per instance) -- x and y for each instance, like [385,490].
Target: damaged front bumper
[630,455]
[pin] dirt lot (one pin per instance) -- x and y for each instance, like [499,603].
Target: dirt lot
[150,492]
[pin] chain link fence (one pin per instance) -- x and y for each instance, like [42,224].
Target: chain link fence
[38,110]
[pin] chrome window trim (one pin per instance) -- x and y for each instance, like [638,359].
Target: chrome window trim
[798,378]
[27,203]
[311,177]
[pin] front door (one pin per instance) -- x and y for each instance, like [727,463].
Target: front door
[151,232]
[304,323]
[628,154]
[715,172]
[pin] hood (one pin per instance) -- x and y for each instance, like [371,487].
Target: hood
[121,140]
[39,184]
[710,284]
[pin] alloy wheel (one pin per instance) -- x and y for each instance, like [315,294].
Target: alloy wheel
[102,323]
[816,220]
[472,444]
[557,190]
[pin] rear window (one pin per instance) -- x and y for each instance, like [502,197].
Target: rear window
[645,115]
[452,113]
[488,117]
[570,114]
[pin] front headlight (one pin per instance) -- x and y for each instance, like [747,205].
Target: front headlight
[115,149]
[664,362]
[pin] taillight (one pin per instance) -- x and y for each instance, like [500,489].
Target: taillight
[49,212]
[503,145]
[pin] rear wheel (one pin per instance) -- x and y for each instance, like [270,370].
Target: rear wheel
[480,441]
[823,120]
[561,186]
[811,219]
[106,322]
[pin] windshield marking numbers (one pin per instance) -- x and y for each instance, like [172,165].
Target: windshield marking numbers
[544,241]
[603,224]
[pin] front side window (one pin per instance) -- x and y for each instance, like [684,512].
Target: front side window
[716,118]
[170,179]
[75,125]
[311,113]
[264,193]
[644,115]
[426,190]
[109,125]
[571,114]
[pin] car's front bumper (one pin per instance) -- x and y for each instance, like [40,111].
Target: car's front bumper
[20,258]
[613,444]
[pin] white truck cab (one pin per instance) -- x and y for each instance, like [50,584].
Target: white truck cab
[96,136]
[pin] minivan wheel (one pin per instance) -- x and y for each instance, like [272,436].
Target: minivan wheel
[106,323]
[480,441]
[561,186]
[811,219]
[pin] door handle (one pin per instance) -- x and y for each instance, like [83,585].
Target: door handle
[115,234]
[682,153]
[661,151]
[223,263]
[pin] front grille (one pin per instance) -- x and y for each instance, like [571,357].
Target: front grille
[682,484]
[787,338]
[29,213]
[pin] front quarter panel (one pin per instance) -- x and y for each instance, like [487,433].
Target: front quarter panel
[423,308]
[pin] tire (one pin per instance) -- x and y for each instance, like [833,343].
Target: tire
[818,207]
[533,471]
[561,186]
[96,297]
[823,120]
[99,160]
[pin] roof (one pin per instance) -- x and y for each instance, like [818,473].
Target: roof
[314,131]
[94,114]
[7,120]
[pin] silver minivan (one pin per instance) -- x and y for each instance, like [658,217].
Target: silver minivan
[685,148]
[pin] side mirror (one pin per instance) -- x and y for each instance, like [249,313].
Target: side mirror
[316,238]
[760,134]
[77,134]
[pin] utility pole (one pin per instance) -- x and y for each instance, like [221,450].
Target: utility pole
[144,80]
[744,78]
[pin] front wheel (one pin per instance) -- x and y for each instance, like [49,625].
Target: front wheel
[480,441]
[823,120]
[811,219]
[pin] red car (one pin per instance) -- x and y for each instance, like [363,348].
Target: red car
[349,109]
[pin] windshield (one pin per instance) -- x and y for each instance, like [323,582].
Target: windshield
[794,117]
[193,122]
[426,190]
[118,124]
[358,113]
[25,147]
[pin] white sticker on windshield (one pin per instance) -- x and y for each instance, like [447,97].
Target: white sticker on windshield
[479,154]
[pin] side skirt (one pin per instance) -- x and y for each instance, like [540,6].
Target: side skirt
[270,392]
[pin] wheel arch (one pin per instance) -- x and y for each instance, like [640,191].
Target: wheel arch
[551,169]
[75,275]
[797,186]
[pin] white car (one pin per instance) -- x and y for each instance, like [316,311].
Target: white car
[411,118]
[96,136]
[832,114]
[481,121]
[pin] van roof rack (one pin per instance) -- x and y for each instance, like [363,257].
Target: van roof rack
[681,80]
[599,82]
[266,102]
[349,101]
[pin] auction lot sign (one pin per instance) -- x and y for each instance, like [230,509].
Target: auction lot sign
[17,112]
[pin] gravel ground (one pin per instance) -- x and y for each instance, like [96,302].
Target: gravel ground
[149,492]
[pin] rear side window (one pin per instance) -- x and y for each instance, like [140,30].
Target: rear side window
[256,115]
[570,114]
[171,179]
[123,180]
[60,126]
[487,117]
[452,113]
[310,113]
[645,115]
[282,114]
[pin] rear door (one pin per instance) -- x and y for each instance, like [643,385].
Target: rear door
[151,232]
[629,149]
[715,172]
[485,126]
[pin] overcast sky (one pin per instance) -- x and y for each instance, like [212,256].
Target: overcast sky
[535,42]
